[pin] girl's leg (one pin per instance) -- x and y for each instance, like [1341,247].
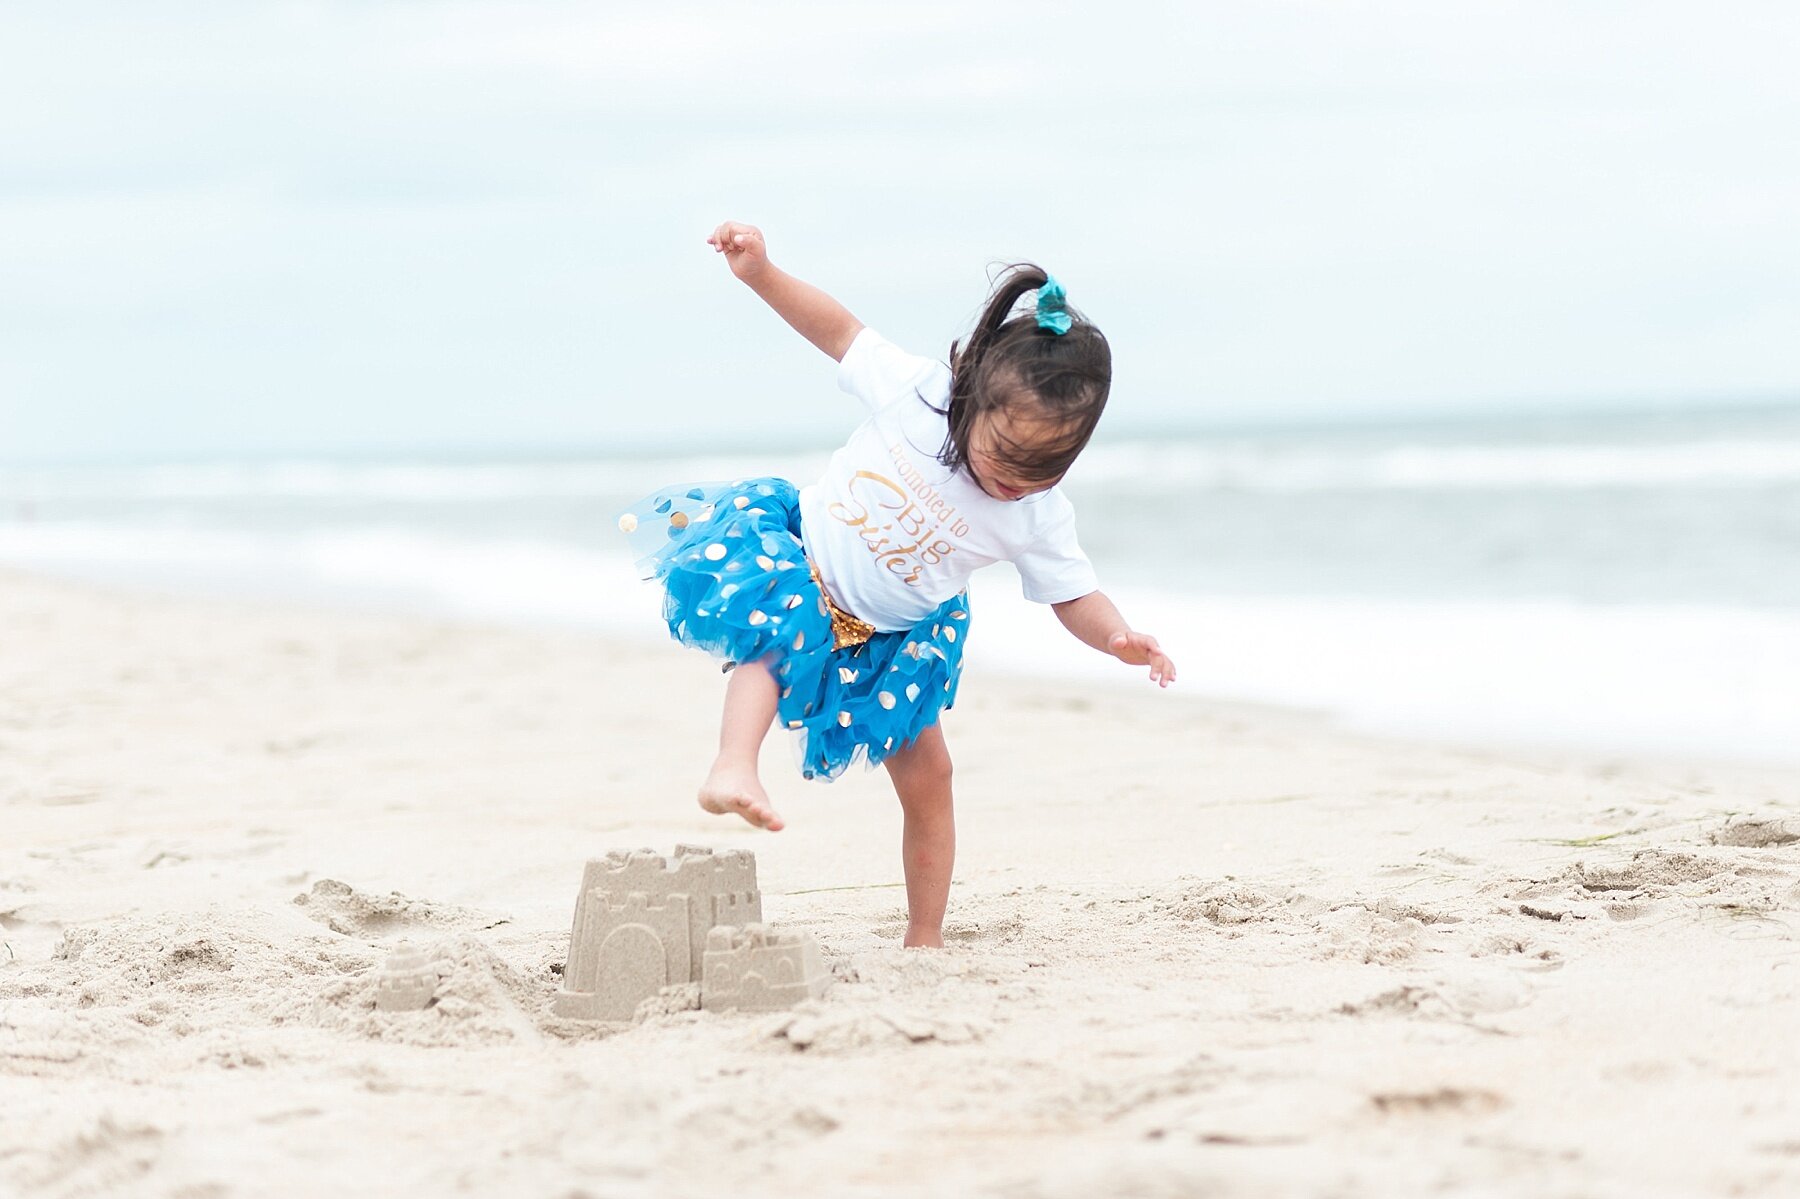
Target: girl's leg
[921,774]
[732,785]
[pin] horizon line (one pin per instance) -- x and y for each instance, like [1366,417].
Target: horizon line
[1309,422]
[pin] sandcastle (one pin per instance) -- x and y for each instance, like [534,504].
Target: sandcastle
[406,982]
[644,922]
[758,969]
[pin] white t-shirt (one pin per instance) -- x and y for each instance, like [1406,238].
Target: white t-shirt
[894,532]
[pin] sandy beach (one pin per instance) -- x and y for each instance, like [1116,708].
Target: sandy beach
[1195,948]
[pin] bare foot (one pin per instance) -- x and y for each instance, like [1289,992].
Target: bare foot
[924,938]
[730,789]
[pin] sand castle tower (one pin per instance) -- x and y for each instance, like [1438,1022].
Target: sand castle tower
[641,924]
[407,981]
[756,968]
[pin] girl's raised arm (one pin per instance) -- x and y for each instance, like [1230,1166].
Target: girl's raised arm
[813,314]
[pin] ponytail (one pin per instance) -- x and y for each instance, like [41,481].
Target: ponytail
[1069,374]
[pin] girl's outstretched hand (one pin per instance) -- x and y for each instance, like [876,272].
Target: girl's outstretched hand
[743,247]
[1141,649]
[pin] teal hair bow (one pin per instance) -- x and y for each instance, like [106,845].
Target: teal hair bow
[1052,307]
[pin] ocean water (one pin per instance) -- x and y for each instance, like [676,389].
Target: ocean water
[1624,582]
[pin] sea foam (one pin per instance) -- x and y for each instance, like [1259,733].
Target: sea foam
[1694,680]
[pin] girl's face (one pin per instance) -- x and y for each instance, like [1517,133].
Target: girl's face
[1005,427]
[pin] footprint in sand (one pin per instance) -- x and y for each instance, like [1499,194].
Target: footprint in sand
[1446,998]
[1442,1101]
[1658,881]
[1757,832]
[826,1031]
[1653,871]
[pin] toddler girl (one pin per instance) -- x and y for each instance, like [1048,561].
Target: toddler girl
[841,605]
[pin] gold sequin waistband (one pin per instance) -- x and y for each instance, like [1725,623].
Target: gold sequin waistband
[846,630]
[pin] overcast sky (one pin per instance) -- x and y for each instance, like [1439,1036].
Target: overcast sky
[373,227]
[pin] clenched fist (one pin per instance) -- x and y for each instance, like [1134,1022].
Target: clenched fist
[743,247]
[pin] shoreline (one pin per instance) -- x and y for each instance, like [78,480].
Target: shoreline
[1116,684]
[1193,945]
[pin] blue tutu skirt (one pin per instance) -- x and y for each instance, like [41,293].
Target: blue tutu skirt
[737,584]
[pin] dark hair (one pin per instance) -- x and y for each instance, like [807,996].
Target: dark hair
[1007,357]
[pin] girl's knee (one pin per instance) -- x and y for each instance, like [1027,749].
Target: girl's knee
[938,768]
[922,769]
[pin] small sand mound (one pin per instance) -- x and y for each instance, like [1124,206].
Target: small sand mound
[479,1000]
[1650,870]
[1757,832]
[1359,934]
[670,1001]
[343,909]
[1228,903]
[193,972]
[182,975]
[1648,882]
